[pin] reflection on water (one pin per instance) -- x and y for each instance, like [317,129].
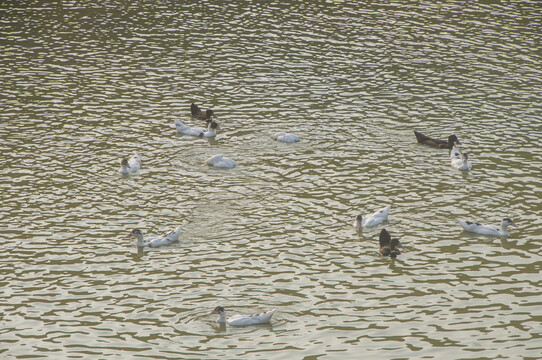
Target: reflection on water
[86,84]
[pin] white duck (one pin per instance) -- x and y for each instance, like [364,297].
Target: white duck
[187,130]
[128,166]
[242,320]
[284,137]
[459,161]
[487,229]
[220,161]
[372,220]
[156,241]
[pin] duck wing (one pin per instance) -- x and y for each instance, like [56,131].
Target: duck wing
[455,154]
[195,110]
[255,319]
[385,242]
[421,137]
[377,217]
[426,140]
[135,162]
[173,235]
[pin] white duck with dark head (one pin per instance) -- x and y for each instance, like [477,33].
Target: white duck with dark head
[492,230]
[131,165]
[156,241]
[200,132]
[242,320]
[373,219]
[459,161]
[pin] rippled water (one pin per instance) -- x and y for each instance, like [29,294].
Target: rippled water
[85,84]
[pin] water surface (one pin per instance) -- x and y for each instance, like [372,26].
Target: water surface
[85,84]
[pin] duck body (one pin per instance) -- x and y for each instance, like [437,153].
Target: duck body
[284,137]
[200,115]
[491,230]
[156,241]
[388,246]
[373,219]
[459,161]
[436,143]
[200,132]
[220,161]
[131,165]
[243,320]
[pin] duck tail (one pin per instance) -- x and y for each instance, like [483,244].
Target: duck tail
[420,137]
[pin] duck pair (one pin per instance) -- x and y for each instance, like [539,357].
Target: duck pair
[221,161]
[388,246]
[457,160]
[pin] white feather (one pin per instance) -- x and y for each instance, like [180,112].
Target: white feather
[373,219]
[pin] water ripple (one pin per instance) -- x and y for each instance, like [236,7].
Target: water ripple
[85,85]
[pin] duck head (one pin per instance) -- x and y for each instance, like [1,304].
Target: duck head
[393,247]
[209,113]
[221,312]
[213,125]
[277,135]
[465,157]
[508,222]
[358,222]
[138,234]
[452,139]
[395,243]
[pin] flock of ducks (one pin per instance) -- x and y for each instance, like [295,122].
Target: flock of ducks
[388,246]
[461,162]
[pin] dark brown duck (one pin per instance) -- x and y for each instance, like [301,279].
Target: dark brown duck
[439,144]
[200,115]
[388,246]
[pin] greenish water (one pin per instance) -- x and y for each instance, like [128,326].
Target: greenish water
[85,84]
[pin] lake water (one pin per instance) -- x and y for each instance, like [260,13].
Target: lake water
[84,84]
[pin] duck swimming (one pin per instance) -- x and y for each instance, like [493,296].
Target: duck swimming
[157,241]
[459,161]
[372,220]
[187,130]
[440,144]
[284,137]
[220,161]
[388,246]
[487,229]
[128,166]
[200,115]
[243,320]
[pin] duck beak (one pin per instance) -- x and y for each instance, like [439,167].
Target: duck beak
[513,224]
[458,142]
[400,245]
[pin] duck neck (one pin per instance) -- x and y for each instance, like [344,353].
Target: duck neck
[140,242]
[504,227]
[222,318]
[358,224]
